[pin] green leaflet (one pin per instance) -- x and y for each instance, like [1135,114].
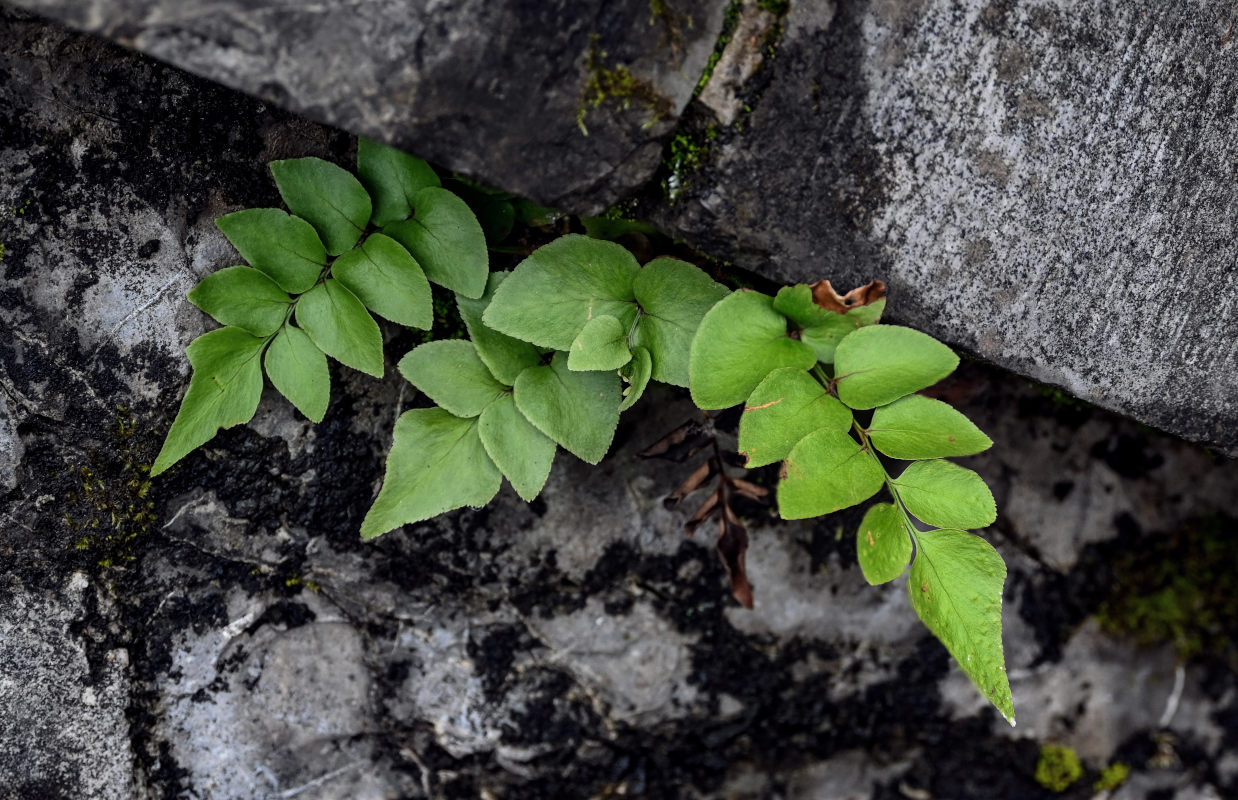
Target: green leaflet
[824,338]
[878,364]
[530,213]
[867,315]
[883,544]
[820,328]
[916,427]
[523,453]
[740,341]
[579,410]
[825,472]
[286,248]
[550,295]
[437,463]
[298,369]
[637,373]
[391,177]
[506,357]
[384,277]
[796,304]
[493,209]
[601,344]
[946,495]
[673,296]
[446,240]
[224,391]
[784,408]
[451,374]
[613,230]
[244,298]
[956,589]
[326,196]
[340,326]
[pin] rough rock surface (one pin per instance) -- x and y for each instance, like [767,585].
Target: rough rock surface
[503,90]
[1048,185]
[243,643]
[54,690]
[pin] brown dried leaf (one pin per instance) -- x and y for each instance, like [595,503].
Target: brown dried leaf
[707,508]
[748,489]
[732,548]
[824,295]
[680,444]
[694,481]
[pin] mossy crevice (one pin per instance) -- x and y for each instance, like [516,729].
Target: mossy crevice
[729,22]
[760,26]
[688,151]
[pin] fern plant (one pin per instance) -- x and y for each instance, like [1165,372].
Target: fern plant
[827,391]
[563,344]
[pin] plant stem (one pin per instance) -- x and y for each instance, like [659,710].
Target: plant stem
[898,500]
[818,372]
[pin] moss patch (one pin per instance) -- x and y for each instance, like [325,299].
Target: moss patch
[1058,767]
[110,509]
[1180,590]
[687,152]
[1111,777]
[617,83]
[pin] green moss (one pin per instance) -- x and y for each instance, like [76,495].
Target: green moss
[1111,777]
[297,581]
[1,251]
[772,37]
[624,209]
[729,23]
[617,83]
[1058,767]
[110,507]
[1181,590]
[686,153]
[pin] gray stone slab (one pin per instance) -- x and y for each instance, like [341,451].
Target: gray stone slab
[501,90]
[1048,185]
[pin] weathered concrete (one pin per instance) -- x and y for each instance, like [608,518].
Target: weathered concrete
[1049,185]
[500,90]
[247,645]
